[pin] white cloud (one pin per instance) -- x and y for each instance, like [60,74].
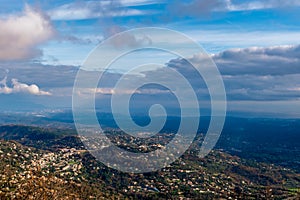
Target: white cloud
[114,8]
[18,87]
[259,5]
[234,37]
[21,34]
[95,9]
[202,7]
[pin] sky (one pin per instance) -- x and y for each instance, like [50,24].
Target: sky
[254,44]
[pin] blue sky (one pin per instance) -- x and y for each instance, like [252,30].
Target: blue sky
[255,45]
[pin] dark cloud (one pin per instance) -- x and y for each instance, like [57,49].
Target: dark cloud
[252,74]
[263,88]
[260,61]
[261,74]
[46,76]
[74,39]
[126,39]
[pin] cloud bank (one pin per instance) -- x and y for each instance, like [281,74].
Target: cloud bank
[279,60]
[21,34]
[259,74]
[264,76]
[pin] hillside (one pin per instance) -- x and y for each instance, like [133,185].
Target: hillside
[57,167]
